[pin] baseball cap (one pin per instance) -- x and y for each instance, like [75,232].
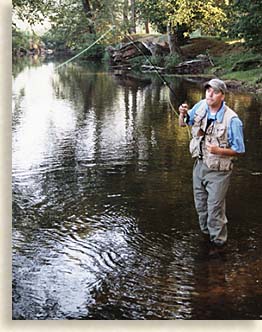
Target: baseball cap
[216,84]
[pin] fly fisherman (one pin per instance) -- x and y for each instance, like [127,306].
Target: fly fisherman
[217,138]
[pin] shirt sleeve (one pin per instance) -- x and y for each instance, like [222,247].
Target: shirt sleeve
[235,135]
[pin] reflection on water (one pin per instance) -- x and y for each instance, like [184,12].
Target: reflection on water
[104,225]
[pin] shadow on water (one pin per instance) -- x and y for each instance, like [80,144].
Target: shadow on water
[104,225]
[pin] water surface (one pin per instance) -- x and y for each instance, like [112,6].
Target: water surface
[104,225]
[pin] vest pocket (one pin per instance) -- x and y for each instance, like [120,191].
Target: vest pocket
[219,131]
[194,146]
[212,162]
[218,163]
[226,164]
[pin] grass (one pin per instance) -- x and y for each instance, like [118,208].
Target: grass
[250,77]
[225,55]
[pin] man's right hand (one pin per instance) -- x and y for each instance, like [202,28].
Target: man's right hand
[183,109]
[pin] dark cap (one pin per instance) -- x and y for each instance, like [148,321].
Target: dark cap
[216,84]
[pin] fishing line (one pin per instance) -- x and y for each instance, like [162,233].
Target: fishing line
[146,57]
[86,49]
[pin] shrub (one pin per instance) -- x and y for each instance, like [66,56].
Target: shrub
[171,61]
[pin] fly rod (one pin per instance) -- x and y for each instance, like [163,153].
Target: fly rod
[162,78]
[156,70]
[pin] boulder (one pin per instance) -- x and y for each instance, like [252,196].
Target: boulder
[134,49]
[196,66]
[126,52]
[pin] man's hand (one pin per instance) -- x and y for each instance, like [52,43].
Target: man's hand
[214,149]
[183,109]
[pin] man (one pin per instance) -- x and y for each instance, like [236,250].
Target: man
[217,138]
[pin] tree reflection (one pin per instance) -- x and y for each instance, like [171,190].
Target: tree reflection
[102,194]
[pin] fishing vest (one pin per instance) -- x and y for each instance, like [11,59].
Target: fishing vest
[215,134]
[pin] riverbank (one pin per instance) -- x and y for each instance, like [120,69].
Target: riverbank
[241,68]
[230,61]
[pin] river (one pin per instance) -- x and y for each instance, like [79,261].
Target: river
[104,225]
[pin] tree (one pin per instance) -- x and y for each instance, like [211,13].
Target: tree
[88,12]
[133,17]
[20,39]
[32,11]
[248,22]
[171,15]
[93,14]
[75,24]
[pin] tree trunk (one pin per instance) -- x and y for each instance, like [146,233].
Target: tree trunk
[88,12]
[173,41]
[147,26]
[133,17]
[125,13]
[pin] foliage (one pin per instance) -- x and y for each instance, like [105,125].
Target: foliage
[207,16]
[248,22]
[76,23]
[157,60]
[229,60]
[180,17]
[193,14]
[152,11]
[171,61]
[33,11]
[67,28]
[137,62]
[96,52]
[226,64]
[55,39]
[20,39]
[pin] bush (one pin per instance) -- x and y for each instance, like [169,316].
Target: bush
[157,60]
[137,62]
[171,61]
[20,39]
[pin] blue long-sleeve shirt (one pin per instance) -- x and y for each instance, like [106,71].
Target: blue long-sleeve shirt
[235,129]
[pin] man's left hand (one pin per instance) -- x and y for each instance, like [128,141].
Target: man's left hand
[213,149]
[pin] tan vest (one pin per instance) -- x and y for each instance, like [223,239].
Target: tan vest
[216,134]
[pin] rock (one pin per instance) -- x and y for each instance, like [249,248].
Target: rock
[135,49]
[233,84]
[202,57]
[157,49]
[152,68]
[126,52]
[119,57]
[197,66]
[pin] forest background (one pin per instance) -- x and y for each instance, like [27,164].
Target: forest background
[229,31]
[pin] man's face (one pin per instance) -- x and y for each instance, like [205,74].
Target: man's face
[214,98]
